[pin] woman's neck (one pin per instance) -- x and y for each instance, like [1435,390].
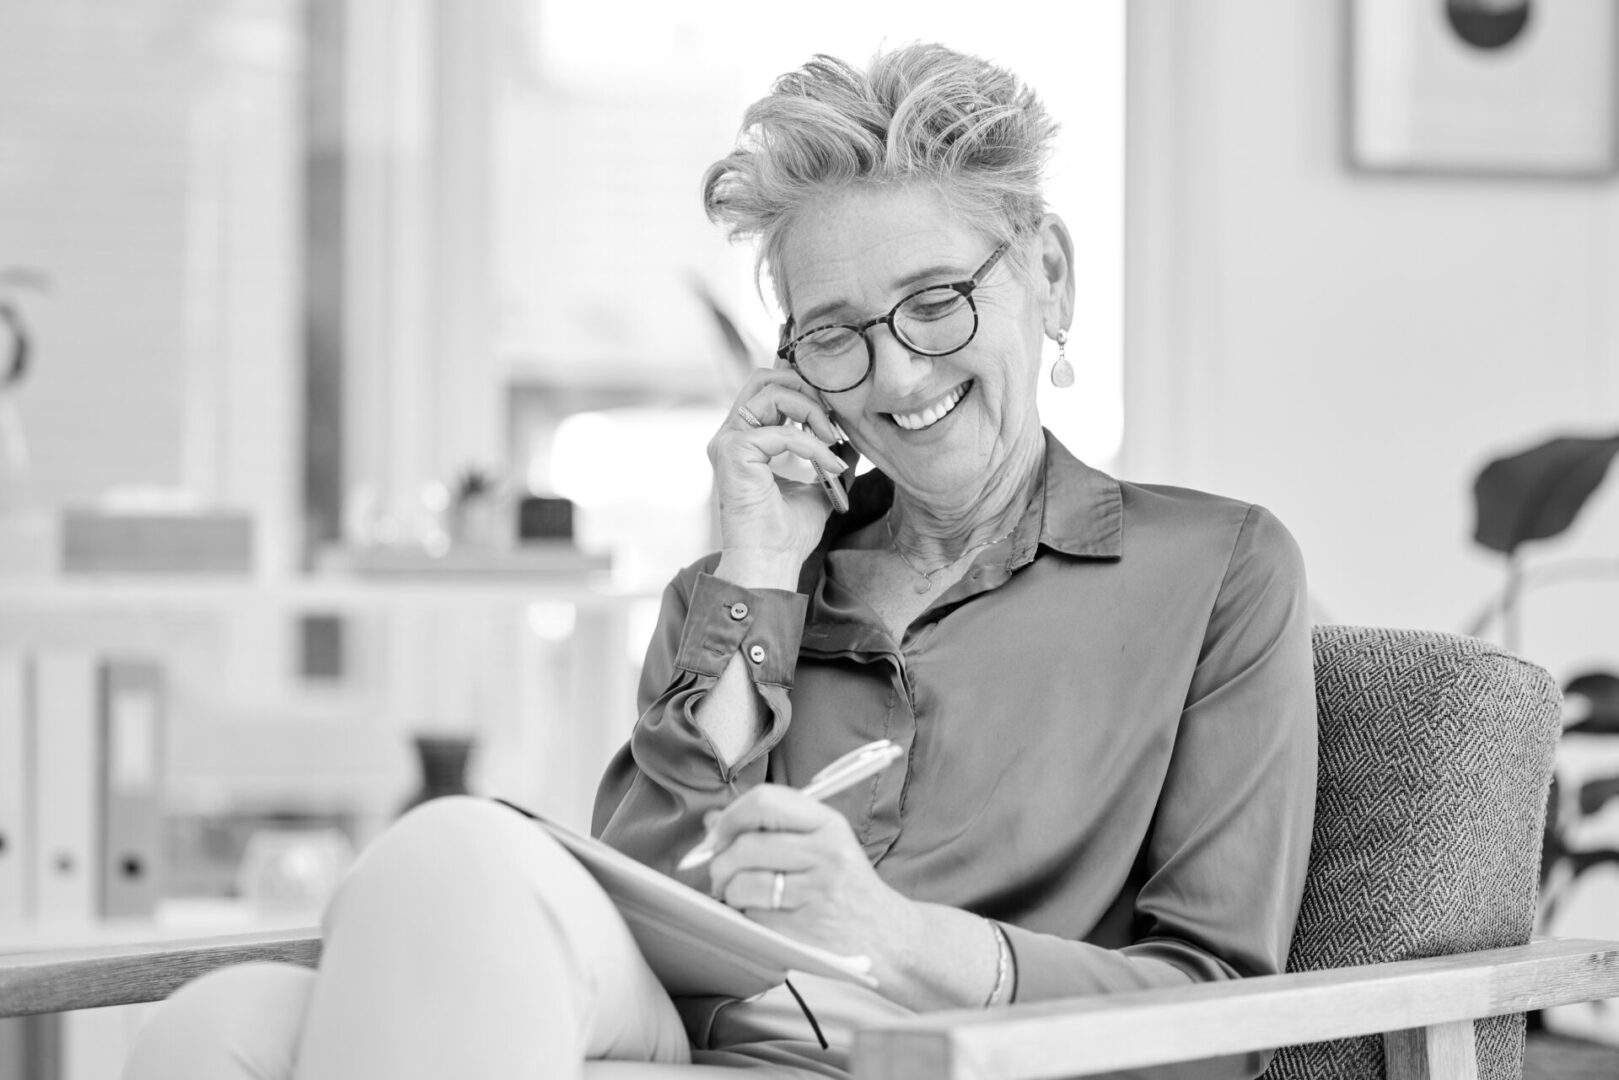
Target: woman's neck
[933,534]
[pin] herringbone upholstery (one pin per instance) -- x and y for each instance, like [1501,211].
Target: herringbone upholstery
[1436,755]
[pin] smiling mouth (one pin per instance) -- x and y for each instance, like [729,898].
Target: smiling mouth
[931,415]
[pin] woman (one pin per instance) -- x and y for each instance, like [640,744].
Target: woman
[1103,690]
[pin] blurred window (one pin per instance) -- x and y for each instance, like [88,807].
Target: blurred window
[610,113]
[607,116]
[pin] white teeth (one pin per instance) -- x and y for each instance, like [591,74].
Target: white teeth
[933,413]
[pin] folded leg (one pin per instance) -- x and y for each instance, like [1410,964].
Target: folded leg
[467,942]
[235,1023]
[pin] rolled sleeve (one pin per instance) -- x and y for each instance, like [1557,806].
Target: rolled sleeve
[722,619]
[655,791]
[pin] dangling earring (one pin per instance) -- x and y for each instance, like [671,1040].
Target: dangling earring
[1062,372]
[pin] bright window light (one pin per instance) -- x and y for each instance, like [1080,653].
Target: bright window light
[651,457]
[551,620]
[616,46]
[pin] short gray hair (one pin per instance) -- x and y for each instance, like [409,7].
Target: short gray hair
[920,114]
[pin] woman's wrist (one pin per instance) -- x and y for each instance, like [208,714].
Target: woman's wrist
[944,958]
[755,569]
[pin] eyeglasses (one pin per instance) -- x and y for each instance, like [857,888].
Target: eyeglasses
[935,321]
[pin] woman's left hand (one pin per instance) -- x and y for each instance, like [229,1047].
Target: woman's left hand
[830,895]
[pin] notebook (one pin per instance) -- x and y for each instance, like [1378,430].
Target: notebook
[696,945]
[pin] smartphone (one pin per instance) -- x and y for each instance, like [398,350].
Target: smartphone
[837,487]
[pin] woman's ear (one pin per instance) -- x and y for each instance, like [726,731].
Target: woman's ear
[1056,273]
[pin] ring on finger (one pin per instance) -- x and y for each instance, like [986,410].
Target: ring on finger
[778,887]
[747,416]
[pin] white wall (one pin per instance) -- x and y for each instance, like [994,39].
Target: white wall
[1348,348]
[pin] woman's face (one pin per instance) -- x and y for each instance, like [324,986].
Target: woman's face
[850,257]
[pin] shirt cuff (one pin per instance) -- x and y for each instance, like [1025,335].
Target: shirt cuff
[1050,967]
[765,625]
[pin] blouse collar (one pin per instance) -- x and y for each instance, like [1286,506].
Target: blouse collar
[1074,509]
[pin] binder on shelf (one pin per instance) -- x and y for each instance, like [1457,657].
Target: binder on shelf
[16,723]
[31,1047]
[20,1054]
[130,775]
[14,1047]
[66,855]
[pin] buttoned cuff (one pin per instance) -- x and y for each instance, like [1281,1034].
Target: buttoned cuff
[765,625]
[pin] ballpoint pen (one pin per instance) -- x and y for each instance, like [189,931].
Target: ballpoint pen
[847,770]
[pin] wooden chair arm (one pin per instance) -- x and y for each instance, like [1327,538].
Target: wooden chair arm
[86,978]
[1027,1042]
[1081,1036]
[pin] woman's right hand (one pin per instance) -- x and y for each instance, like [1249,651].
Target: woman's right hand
[769,525]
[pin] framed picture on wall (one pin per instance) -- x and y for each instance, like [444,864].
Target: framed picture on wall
[1484,87]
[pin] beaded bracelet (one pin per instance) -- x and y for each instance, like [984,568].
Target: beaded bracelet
[1003,964]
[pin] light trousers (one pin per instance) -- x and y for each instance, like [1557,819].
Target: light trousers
[466,942]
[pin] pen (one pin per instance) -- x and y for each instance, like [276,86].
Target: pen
[846,771]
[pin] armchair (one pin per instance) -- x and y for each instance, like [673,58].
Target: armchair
[1412,956]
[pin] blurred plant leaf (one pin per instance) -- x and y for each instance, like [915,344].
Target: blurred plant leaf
[740,352]
[1537,493]
[1601,692]
[473,482]
[1578,862]
[14,364]
[1597,794]
[1581,861]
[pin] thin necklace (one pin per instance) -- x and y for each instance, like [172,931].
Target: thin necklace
[924,580]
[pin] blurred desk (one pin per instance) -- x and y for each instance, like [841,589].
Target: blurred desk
[174,920]
[91,1044]
[126,592]
[540,668]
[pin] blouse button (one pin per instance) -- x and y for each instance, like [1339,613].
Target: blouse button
[757,654]
[739,611]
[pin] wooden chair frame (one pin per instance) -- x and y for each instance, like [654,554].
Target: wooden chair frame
[1424,1009]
